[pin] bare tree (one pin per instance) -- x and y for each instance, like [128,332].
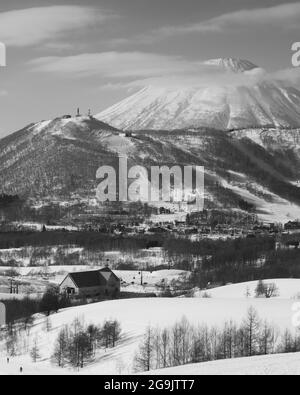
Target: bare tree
[164,348]
[271,290]
[289,343]
[48,324]
[260,289]
[61,350]
[95,336]
[183,343]
[115,332]
[248,293]
[144,359]
[268,337]
[268,291]
[198,346]
[111,333]
[35,353]
[251,331]
[79,349]
[229,340]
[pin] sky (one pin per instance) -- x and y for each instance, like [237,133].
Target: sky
[66,54]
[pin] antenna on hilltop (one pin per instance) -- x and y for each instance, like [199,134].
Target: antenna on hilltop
[78,112]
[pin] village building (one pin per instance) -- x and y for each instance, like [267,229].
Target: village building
[101,283]
[292,225]
[288,245]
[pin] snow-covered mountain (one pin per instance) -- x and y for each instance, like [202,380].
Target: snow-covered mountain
[238,105]
[250,169]
[232,64]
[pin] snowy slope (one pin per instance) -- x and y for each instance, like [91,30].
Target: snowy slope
[275,210]
[263,102]
[288,289]
[269,365]
[58,160]
[136,314]
[232,64]
[274,140]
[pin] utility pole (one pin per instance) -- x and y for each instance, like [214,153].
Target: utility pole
[14,287]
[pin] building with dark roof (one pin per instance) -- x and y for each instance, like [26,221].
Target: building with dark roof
[101,283]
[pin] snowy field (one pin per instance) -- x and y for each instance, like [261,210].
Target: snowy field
[269,365]
[131,280]
[135,315]
[287,289]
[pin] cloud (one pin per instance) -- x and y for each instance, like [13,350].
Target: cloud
[132,70]
[33,26]
[114,65]
[115,70]
[290,77]
[284,16]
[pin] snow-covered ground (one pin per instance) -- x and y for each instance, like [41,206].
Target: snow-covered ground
[135,315]
[269,365]
[278,210]
[287,289]
[131,280]
[153,282]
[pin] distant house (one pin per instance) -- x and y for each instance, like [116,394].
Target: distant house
[292,225]
[288,245]
[98,283]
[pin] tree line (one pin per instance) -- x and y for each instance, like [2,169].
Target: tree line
[77,344]
[24,309]
[242,265]
[185,343]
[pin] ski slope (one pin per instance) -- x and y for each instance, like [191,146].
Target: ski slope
[135,316]
[269,365]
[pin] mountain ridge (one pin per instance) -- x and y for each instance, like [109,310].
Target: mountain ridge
[232,64]
[57,160]
[253,102]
